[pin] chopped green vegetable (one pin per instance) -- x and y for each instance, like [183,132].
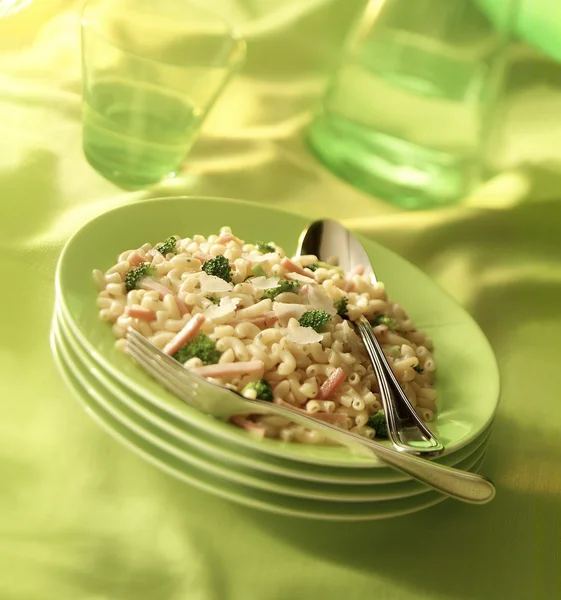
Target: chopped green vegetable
[262,389]
[219,266]
[201,346]
[322,265]
[213,299]
[284,286]
[133,277]
[341,306]
[379,424]
[383,319]
[258,271]
[315,319]
[170,245]
[418,368]
[265,247]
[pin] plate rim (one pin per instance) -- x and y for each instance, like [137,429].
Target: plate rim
[245,500]
[193,416]
[79,367]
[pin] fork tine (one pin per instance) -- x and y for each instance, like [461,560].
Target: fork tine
[161,366]
[187,394]
[140,340]
[153,352]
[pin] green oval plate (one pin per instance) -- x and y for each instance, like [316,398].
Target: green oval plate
[225,463]
[236,492]
[468,377]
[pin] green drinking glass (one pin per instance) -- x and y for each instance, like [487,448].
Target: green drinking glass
[406,115]
[152,69]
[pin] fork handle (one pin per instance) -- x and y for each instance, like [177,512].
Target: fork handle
[462,485]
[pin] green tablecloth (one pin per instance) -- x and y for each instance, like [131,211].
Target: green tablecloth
[82,518]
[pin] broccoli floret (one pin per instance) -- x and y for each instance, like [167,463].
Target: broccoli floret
[213,299]
[168,246]
[284,286]
[133,277]
[315,319]
[260,390]
[379,424]
[201,346]
[265,247]
[341,306]
[383,320]
[219,266]
[418,368]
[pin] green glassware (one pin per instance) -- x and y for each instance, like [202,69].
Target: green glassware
[406,115]
[151,73]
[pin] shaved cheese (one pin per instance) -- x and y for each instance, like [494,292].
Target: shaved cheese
[298,277]
[226,308]
[320,300]
[211,284]
[285,311]
[256,257]
[303,335]
[264,283]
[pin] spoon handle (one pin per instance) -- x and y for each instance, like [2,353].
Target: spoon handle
[406,429]
[461,485]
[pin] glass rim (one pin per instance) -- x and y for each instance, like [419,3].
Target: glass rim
[232,32]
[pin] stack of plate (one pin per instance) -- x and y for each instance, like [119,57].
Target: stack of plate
[308,481]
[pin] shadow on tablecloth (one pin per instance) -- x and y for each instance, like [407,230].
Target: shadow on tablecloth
[452,549]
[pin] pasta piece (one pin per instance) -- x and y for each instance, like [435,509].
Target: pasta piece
[325,373]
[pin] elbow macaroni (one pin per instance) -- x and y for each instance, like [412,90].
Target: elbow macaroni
[299,373]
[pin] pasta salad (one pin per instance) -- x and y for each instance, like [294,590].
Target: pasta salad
[268,326]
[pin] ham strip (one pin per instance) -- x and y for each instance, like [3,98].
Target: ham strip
[230,369]
[202,256]
[137,312]
[380,331]
[181,306]
[267,319]
[248,425]
[331,384]
[135,259]
[154,286]
[224,238]
[292,267]
[187,333]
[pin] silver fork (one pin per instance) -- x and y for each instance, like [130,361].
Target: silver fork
[223,403]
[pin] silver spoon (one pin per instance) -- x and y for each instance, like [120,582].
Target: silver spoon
[406,430]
